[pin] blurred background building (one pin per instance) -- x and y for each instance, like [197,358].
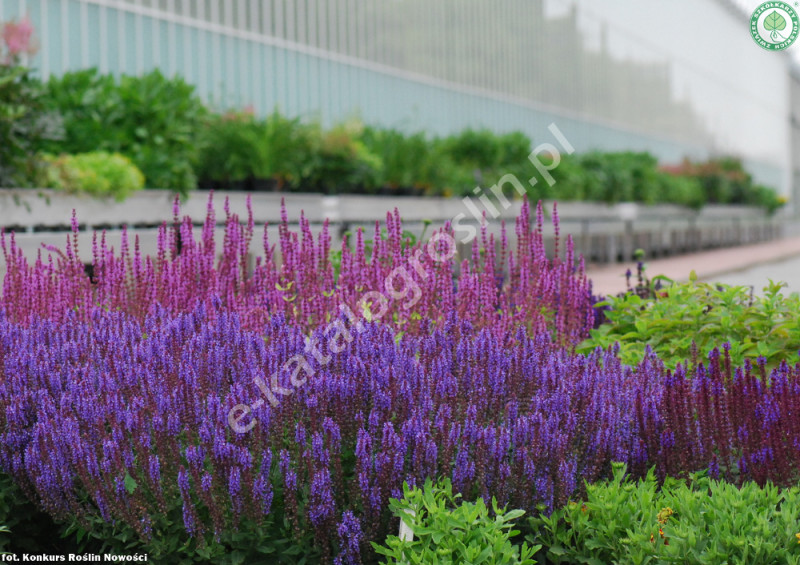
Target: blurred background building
[678,78]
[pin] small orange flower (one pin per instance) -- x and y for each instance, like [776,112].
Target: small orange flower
[584,509]
[798,537]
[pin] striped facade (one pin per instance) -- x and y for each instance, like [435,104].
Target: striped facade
[679,78]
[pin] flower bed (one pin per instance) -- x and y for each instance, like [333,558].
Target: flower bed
[186,407]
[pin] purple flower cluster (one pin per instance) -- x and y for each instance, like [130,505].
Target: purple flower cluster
[117,417]
[499,287]
[88,405]
[739,423]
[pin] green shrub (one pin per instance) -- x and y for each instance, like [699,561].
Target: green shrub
[482,157]
[406,159]
[419,164]
[618,177]
[19,113]
[98,174]
[286,150]
[679,189]
[766,197]
[476,153]
[513,150]
[704,522]
[572,182]
[705,314]
[236,146]
[341,162]
[229,148]
[153,120]
[636,177]
[89,105]
[724,180]
[446,532]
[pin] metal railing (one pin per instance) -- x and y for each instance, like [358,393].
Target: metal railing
[602,233]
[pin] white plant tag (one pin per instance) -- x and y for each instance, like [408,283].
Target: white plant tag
[406,533]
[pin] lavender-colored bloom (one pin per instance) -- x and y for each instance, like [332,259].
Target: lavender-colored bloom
[319,453]
[155,469]
[183,481]
[350,539]
[289,476]
[333,431]
[321,505]
[206,481]
[262,488]
[464,470]
[99,500]
[235,488]
[189,520]
[300,434]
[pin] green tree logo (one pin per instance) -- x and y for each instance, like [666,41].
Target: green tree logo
[774,26]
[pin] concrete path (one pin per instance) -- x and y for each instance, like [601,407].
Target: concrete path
[610,279]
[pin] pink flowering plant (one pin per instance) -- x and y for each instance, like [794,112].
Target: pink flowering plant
[17,40]
[22,120]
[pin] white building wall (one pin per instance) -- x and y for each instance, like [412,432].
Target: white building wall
[678,77]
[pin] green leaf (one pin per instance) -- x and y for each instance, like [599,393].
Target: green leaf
[774,22]
[557,550]
[130,483]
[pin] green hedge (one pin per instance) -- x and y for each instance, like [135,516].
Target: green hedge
[161,125]
[239,149]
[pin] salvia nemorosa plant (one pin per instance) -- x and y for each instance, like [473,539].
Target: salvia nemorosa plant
[500,286]
[112,417]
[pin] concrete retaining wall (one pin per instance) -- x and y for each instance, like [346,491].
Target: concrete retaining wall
[602,233]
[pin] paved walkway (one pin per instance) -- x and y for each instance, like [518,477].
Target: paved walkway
[610,279]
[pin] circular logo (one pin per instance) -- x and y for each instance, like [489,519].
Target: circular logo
[774,25]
